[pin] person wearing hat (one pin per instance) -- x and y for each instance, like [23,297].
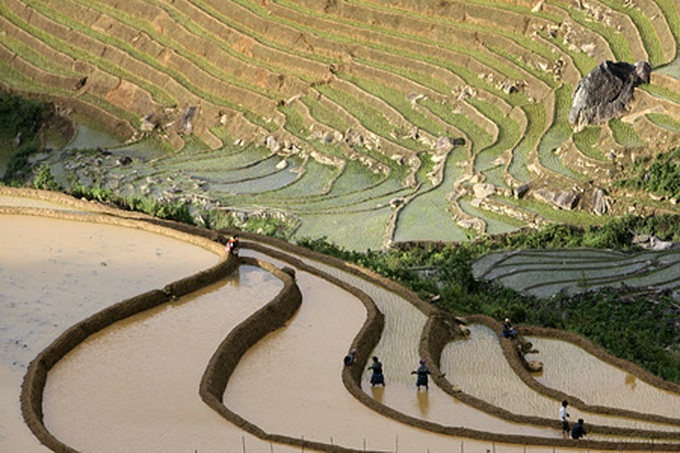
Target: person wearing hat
[508,330]
[578,430]
[423,371]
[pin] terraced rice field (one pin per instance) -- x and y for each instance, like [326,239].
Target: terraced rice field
[134,384]
[365,121]
[544,273]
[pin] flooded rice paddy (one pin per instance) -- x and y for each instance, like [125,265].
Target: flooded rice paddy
[569,368]
[493,380]
[54,273]
[134,385]
[150,365]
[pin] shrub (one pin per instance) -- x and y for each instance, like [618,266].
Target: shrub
[19,115]
[19,168]
[44,179]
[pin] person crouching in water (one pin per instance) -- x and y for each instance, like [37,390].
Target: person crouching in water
[423,371]
[378,378]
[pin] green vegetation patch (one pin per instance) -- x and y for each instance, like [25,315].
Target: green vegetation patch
[586,141]
[661,176]
[624,133]
[557,134]
[665,122]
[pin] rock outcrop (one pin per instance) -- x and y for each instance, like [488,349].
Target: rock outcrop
[566,199]
[606,92]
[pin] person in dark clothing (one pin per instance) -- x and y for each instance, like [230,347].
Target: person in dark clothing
[350,358]
[578,430]
[378,378]
[508,330]
[423,371]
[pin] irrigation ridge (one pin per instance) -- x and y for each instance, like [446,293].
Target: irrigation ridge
[391,116]
[252,361]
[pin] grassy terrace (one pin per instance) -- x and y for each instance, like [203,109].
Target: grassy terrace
[358,98]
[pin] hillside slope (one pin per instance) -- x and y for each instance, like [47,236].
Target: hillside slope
[366,121]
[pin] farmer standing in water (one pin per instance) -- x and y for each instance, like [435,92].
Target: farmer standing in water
[378,378]
[423,371]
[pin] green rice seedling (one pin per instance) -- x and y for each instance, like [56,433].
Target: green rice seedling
[260,169]
[529,140]
[314,181]
[582,61]
[587,139]
[618,43]
[244,189]
[369,117]
[670,12]
[552,214]
[356,178]
[295,123]
[487,59]
[79,54]
[91,136]
[18,80]
[150,60]
[664,121]
[168,40]
[430,208]
[508,134]
[645,28]
[398,100]
[557,134]
[661,92]
[543,76]
[424,79]
[361,231]
[477,134]
[323,115]
[31,55]
[375,197]
[624,133]
[495,223]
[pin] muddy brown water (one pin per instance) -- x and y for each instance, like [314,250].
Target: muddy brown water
[140,391]
[492,379]
[398,350]
[312,347]
[572,370]
[54,273]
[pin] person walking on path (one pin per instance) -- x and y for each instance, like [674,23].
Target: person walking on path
[563,417]
[378,378]
[423,373]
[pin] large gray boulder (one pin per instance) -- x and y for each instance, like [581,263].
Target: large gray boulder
[606,92]
[565,199]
